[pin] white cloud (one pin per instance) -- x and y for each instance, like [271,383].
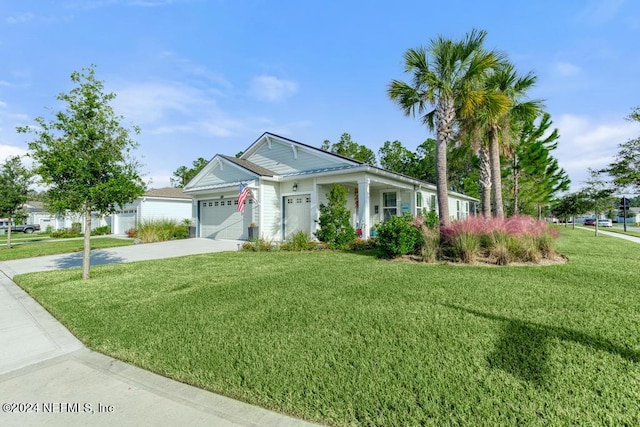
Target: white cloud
[270,88]
[587,142]
[599,12]
[20,19]
[567,69]
[7,151]
[152,102]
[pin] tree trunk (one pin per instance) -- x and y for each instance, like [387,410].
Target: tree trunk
[86,254]
[9,233]
[516,190]
[485,180]
[496,177]
[445,116]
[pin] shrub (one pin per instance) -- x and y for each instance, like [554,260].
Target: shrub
[76,227]
[364,245]
[335,225]
[49,229]
[258,245]
[132,232]
[65,234]
[101,231]
[398,236]
[160,230]
[299,241]
[430,250]
[518,238]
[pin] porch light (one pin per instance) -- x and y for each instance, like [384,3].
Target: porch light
[295,186]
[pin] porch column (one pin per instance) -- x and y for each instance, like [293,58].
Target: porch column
[363,207]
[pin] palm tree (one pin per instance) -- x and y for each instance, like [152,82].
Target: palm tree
[442,84]
[506,81]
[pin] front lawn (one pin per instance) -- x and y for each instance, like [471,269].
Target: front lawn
[28,249]
[347,339]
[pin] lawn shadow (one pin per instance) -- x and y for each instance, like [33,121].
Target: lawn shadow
[97,258]
[522,347]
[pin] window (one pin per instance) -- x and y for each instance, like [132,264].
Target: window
[215,203]
[389,205]
[433,202]
[228,202]
[458,213]
[419,200]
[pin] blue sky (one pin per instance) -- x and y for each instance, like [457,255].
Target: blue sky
[202,77]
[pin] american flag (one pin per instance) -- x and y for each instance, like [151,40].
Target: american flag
[242,196]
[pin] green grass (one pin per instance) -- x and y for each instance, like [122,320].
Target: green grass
[621,231]
[24,237]
[39,248]
[347,339]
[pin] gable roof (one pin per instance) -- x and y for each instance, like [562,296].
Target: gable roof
[268,135]
[250,166]
[167,192]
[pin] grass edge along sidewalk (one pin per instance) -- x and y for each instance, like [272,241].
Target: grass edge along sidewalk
[55,247]
[373,342]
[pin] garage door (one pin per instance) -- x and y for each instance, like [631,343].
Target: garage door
[220,219]
[126,220]
[297,214]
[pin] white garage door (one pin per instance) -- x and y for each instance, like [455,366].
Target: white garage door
[220,219]
[297,214]
[126,220]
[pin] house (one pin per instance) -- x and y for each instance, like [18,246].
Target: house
[167,203]
[288,181]
[38,214]
[633,218]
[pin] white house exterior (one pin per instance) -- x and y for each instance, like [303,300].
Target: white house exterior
[288,182]
[156,204]
[38,214]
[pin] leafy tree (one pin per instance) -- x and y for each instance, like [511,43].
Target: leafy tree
[84,155]
[14,190]
[443,84]
[348,148]
[183,174]
[599,197]
[536,175]
[626,168]
[569,206]
[335,226]
[397,158]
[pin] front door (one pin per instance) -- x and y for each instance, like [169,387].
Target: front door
[297,214]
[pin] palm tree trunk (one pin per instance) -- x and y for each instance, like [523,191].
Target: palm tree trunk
[496,177]
[485,180]
[445,115]
[516,189]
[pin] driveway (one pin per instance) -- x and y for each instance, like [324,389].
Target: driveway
[48,377]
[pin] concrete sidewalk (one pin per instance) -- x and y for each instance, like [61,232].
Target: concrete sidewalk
[612,234]
[48,377]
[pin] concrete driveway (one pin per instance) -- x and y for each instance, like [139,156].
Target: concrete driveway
[48,377]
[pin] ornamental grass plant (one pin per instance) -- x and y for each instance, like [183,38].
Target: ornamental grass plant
[499,241]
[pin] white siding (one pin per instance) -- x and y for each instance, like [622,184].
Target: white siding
[157,209]
[271,210]
[224,172]
[281,159]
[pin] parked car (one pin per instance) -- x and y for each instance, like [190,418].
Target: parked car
[589,221]
[605,223]
[25,228]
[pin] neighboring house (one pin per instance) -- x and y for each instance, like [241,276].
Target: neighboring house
[288,182]
[635,219]
[38,214]
[156,204]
